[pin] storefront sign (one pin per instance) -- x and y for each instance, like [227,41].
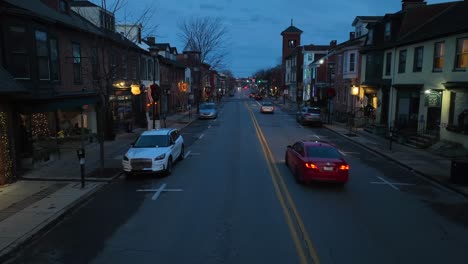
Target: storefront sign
[433,99]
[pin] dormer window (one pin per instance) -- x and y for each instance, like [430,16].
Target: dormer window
[359,31]
[388,31]
[292,43]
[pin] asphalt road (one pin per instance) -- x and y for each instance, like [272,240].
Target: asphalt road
[234,201]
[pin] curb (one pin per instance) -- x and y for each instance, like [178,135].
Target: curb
[109,179]
[10,251]
[430,178]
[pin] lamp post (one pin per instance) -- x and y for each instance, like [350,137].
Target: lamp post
[135,90]
[354,93]
[154,53]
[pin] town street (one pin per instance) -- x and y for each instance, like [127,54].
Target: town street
[233,200]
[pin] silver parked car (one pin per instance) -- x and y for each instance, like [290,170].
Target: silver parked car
[208,110]
[309,115]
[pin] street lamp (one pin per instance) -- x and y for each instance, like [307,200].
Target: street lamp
[154,53]
[354,93]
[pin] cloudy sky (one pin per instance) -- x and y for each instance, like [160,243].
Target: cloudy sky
[254,38]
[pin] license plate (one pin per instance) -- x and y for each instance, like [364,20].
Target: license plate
[328,168]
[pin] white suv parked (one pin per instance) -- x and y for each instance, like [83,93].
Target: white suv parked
[154,151]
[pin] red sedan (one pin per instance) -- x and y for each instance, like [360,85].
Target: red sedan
[316,161]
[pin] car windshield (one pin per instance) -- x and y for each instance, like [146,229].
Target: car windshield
[313,111]
[323,152]
[152,141]
[207,106]
[267,104]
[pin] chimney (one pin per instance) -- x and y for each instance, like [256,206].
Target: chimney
[333,43]
[151,40]
[352,35]
[406,4]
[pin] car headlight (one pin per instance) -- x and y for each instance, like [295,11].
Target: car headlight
[125,158]
[160,157]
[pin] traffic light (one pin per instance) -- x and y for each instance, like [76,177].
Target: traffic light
[154,91]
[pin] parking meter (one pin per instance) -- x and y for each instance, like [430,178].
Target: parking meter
[81,155]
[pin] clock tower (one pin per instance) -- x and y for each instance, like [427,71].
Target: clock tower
[291,40]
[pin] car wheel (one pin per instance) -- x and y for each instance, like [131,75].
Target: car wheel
[128,175]
[169,167]
[182,153]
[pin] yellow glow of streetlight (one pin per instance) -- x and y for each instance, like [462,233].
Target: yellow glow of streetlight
[135,89]
[355,90]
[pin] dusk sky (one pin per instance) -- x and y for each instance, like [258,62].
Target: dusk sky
[254,38]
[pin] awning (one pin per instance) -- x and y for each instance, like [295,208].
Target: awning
[457,86]
[66,104]
[369,89]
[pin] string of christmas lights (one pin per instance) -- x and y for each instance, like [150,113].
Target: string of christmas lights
[5,157]
[40,125]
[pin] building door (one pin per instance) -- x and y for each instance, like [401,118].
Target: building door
[407,110]
[433,120]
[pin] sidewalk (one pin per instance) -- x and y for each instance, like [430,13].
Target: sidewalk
[30,206]
[423,162]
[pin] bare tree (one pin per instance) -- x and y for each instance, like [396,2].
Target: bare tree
[111,56]
[207,35]
[131,17]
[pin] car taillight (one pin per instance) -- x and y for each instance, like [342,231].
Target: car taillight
[311,166]
[344,167]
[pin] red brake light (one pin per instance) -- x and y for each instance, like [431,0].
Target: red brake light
[344,167]
[311,166]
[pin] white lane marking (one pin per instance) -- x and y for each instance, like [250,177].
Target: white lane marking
[209,126]
[159,190]
[391,184]
[187,154]
[201,136]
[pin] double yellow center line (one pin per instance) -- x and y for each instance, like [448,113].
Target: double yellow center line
[302,242]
